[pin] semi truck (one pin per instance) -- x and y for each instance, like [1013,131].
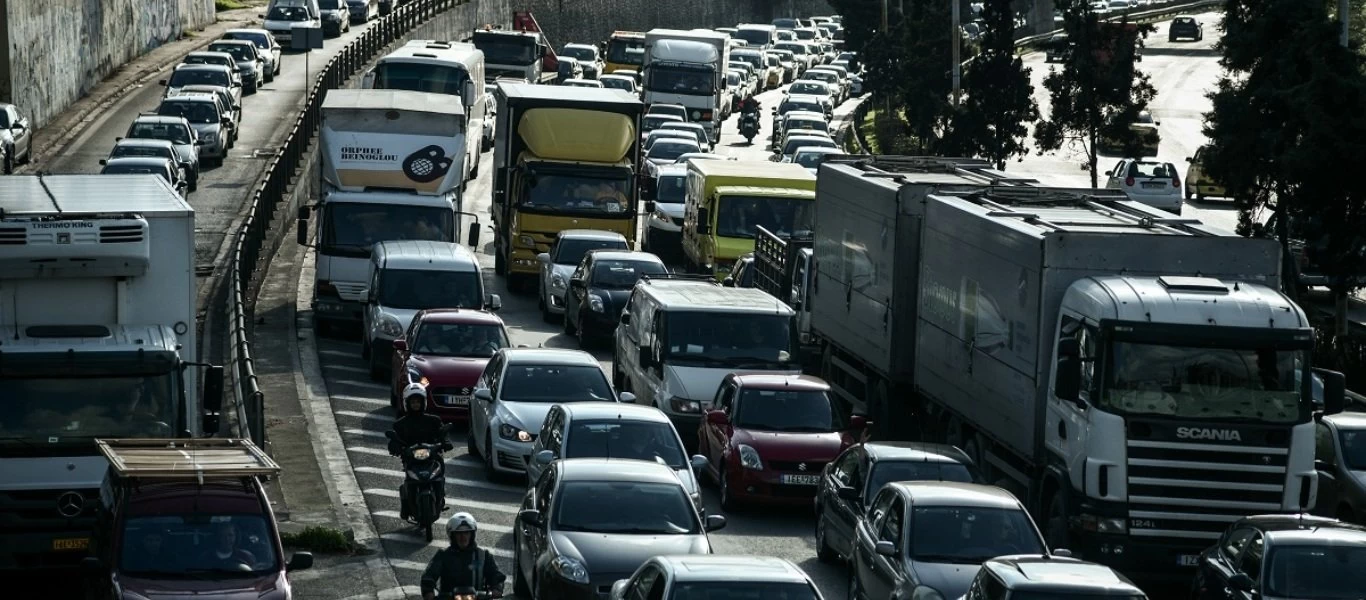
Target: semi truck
[727,200]
[688,68]
[625,51]
[1135,378]
[392,169]
[98,337]
[522,52]
[564,158]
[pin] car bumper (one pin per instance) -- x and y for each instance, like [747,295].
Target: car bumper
[555,587]
[509,456]
[336,309]
[766,487]
[598,324]
[283,37]
[554,303]
[450,413]
[217,150]
[1206,189]
[1167,203]
[35,550]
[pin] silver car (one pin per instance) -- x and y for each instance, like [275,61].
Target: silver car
[219,75]
[266,46]
[177,131]
[208,121]
[225,105]
[16,136]
[249,66]
[564,256]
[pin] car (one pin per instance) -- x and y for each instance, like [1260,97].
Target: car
[665,151]
[266,46]
[589,522]
[796,122]
[336,17]
[569,69]
[717,576]
[677,110]
[564,256]
[849,483]
[1185,27]
[155,165]
[585,83]
[1340,459]
[1049,576]
[219,75]
[589,59]
[490,119]
[793,141]
[599,288]
[735,88]
[662,134]
[684,158]
[1283,556]
[446,349]
[16,136]
[619,82]
[819,104]
[696,128]
[664,228]
[632,73]
[1151,182]
[250,68]
[362,10]
[131,147]
[225,104]
[742,274]
[1058,48]
[212,127]
[808,87]
[649,123]
[281,20]
[811,157]
[1198,183]
[177,131]
[617,431]
[213,57]
[922,539]
[830,78]
[515,392]
[788,61]
[767,436]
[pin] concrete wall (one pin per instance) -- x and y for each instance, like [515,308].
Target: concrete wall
[589,21]
[57,50]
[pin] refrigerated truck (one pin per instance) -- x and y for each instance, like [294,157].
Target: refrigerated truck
[1136,378]
[98,337]
[688,68]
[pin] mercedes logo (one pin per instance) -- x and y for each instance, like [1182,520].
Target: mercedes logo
[70,504]
[801,467]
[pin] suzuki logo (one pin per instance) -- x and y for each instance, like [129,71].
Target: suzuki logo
[801,467]
[70,504]
[1200,433]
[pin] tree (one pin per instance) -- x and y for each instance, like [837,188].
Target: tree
[1098,94]
[926,29]
[992,121]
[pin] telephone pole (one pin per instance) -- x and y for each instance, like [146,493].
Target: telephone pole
[957,50]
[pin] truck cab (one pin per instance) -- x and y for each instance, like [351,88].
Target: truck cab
[727,200]
[688,68]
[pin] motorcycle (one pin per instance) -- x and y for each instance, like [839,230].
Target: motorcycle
[423,469]
[749,126]
[468,593]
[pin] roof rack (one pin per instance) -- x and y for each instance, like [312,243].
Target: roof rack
[199,458]
[1010,201]
[896,167]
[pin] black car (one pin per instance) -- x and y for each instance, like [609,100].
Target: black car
[1283,556]
[742,274]
[588,522]
[599,288]
[1185,27]
[1058,48]
[849,482]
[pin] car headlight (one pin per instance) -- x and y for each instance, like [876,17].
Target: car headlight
[569,569]
[508,432]
[749,458]
[1100,524]
[684,405]
[390,326]
[595,303]
[415,375]
[661,215]
[926,592]
[208,137]
[527,241]
[557,282]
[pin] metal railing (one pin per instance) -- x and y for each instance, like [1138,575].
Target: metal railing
[257,238]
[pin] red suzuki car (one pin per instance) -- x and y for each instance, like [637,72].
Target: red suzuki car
[447,349]
[767,437]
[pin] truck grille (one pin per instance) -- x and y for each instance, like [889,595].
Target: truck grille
[47,510]
[1192,489]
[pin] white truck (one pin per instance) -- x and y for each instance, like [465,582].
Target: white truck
[97,339]
[521,52]
[688,68]
[392,169]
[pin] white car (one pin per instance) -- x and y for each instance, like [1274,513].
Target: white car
[619,82]
[516,391]
[282,19]
[811,157]
[586,83]
[564,256]
[1151,182]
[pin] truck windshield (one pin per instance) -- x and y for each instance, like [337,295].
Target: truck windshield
[784,216]
[350,229]
[754,37]
[577,193]
[619,51]
[681,80]
[1256,385]
[47,406]
[737,340]
[1326,572]
[582,53]
[672,189]
[413,77]
[195,545]
[504,49]
[410,289]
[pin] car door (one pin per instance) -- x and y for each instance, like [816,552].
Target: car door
[1221,563]
[372,317]
[625,358]
[886,572]
[865,540]
[1115,176]
[843,514]
[574,297]
[549,438]
[482,411]
[715,438]
[1249,563]
[649,584]
[1326,463]
[532,537]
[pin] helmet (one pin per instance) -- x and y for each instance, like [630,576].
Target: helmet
[415,390]
[461,522]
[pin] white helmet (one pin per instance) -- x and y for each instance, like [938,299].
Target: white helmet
[461,522]
[415,389]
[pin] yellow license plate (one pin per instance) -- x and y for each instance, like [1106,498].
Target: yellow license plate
[71,544]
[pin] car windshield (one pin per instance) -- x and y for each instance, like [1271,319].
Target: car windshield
[626,51]
[618,83]
[886,471]
[503,49]
[1154,170]
[797,411]
[206,60]
[625,507]
[580,52]
[728,339]
[554,383]
[753,37]
[411,289]
[810,160]
[791,105]
[808,87]
[570,251]
[194,112]
[472,340]
[693,129]
[793,47]
[672,189]
[804,124]
[622,274]
[620,438]
[1144,117]
[262,40]
[1205,383]
[1354,449]
[352,228]
[52,404]
[970,534]
[1323,572]
[287,13]
[193,546]
[241,52]
[652,122]
[205,76]
[732,79]
[123,150]
[173,132]
[671,149]
[578,192]
[740,215]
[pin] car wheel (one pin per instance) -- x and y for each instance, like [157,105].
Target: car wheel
[365,349]
[823,550]
[728,502]
[546,315]
[471,446]
[855,590]
[569,328]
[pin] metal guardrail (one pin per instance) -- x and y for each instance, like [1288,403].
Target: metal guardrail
[254,242]
[1145,15]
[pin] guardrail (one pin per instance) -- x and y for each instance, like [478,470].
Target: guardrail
[253,241]
[1138,15]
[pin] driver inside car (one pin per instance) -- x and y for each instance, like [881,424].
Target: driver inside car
[223,552]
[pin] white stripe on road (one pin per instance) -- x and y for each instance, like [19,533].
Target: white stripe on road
[441,522]
[360,399]
[364,415]
[366,433]
[348,368]
[369,385]
[458,505]
[497,487]
[452,462]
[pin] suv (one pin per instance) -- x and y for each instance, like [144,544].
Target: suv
[1283,556]
[1185,27]
[213,128]
[1038,576]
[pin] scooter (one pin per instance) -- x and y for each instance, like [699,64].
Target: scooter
[468,593]
[423,469]
[749,126]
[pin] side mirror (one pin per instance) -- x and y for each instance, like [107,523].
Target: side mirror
[300,561]
[483,394]
[619,588]
[728,281]
[849,493]
[1190,159]
[467,93]
[493,303]
[543,258]
[698,462]
[1241,582]
[1063,552]
[1334,391]
[530,517]
[626,398]
[718,417]
[103,162]
[1109,173]
[625,318]
[715,522]
[649,206]
[859,422]
[401,345]
[472,236]
[213,389]
[162,82]
[545,457]
[1067,383]
[1158,123]
[885,548]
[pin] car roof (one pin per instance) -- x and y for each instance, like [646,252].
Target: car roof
[424,255]
[148,161]
[917,451]
[461,316]
[233,42]
[619,76]
[716,567]
[597,411]
[144,142]
[659,104]
[213,53]
[805,115]
[712,298]
[202,67]
[778,381]
[578,45]
[818,150]
[1323,535]
[613,254]
[1347,420]
[1290,522]
[672,170]
[548,356]
[251,30]
[606,469]
[192,97]
[1034,571]
[665,116]
[168,119]
[949,493]
[591,234]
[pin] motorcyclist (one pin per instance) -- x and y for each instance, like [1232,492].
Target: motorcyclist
[462,564]
[417,427]
[750,107]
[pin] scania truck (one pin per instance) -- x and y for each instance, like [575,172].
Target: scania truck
[392,169]
[521,52]
[1135,377]
[564,158]
[688,68]
[98,338]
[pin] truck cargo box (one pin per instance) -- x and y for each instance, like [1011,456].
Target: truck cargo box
[577,134]
[393,139]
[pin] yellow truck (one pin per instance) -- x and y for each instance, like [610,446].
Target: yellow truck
[727,200]
[625,51]
[564,158]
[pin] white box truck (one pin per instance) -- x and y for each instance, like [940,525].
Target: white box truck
[97,339]
[688,68]
[392,169]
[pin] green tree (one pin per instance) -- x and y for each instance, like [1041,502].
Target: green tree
[1097,94]
[925,67]
[998,106]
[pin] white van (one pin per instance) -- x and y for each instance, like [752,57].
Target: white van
[282,16]
[412,275]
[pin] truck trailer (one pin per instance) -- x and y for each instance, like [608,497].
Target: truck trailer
[688,68]
[98,337]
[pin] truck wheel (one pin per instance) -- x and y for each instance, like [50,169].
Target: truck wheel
[500,264]
[728,503]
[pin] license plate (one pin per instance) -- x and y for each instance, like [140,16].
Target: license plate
[801,479]
[454,400]
[71,544]
[1187,560]
[1151,185]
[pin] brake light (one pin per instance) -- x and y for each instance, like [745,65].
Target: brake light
[1129,181]
[1176,180]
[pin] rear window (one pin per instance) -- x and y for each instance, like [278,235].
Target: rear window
[1151,169]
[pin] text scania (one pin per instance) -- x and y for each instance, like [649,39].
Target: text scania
[367,154]
[1200,433]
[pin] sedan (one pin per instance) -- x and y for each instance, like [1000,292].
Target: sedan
[362,10]
[696,129]
[266,46]
[1149,182]
[249,64]
[599,288]
[564,256]
[811,157]
[281,21]
[668,150]
[807,87]
[803,140]
[225,104]
[649,123]
[446,349]
[590,522]
[16,135]
[211,126]
[163,167]
[218,75]
[1282,557]
[767,437]
[178,132]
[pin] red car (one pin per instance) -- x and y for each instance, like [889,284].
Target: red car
[767,437]
[447,349]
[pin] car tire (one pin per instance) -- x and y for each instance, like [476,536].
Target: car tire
[728,502]
[9,162]
[824,552]
[569,328]
[471,446]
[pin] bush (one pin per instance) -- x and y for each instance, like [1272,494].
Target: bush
[319,539]
[228,4]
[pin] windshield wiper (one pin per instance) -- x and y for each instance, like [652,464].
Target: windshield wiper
[200,573]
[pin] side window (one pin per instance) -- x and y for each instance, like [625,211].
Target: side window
[1251,561]
[858,473]
[724,395]
[545,436]
[1323,449]
[889,530]
[556,441]
[412,329]
[1086,335]
[545,492]
[1234,542]
[731,400]
[845,467]
[880,506]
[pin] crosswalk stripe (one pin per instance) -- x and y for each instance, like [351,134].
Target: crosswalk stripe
[360,399]
[456,504]
[364,415]
[365,433]
[348,368]
[441,522]
[451,462]
[369,385]
[498,487]
[437,542]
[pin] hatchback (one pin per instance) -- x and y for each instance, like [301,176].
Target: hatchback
[446,349]
[1278,557]
[564,256]
[1154,183]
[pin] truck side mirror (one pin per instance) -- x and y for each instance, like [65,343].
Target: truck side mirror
[467,93]
[1067,382]
[703,221]
[213,388]
[302,233]
[1334,391]
[649,206]
[472,236]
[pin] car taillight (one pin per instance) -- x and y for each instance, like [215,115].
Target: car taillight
[1176,180]
[1129,181]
